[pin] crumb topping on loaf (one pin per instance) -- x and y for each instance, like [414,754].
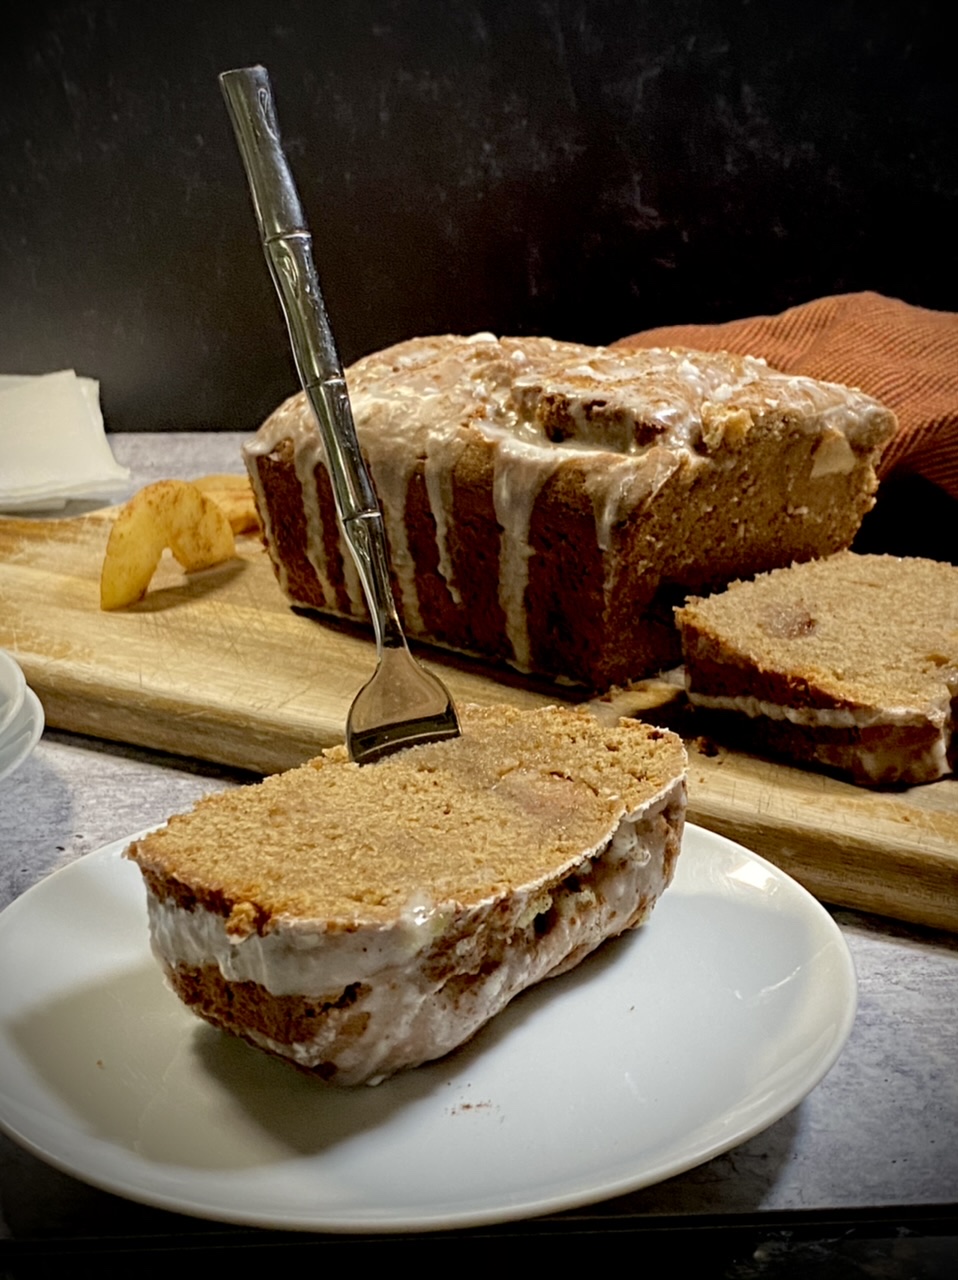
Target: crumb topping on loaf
[511,803]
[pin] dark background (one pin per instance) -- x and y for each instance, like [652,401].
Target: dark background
[578,169]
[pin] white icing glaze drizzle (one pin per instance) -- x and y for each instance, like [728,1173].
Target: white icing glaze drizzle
[826,717]
[519,473]
[638,417]
[294,421]
[408,1016]
[391,474]
[442,453]
[876,763]
[619,485]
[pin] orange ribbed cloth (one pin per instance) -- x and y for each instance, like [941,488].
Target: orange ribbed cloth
[904,356]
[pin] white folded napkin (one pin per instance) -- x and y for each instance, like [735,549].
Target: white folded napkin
[53,447]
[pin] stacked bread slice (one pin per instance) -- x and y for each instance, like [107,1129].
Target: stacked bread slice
[849,662]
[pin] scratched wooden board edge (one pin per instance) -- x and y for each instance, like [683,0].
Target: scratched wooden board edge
[256,749]
[889,851]
[865,879]
[260,740]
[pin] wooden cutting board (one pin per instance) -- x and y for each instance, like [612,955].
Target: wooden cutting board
[216,666]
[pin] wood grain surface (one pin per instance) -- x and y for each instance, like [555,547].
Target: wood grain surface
[216,666]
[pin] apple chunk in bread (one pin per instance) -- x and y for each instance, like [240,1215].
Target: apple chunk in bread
[170,513]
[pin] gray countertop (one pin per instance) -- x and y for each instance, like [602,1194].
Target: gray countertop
[879,1134]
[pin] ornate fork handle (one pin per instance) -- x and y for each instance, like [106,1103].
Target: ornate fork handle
[402,703]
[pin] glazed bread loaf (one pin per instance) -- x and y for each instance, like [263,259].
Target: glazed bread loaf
[850,663]
[546,504]
[358,920]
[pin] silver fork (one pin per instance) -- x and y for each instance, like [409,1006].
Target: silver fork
[402,704]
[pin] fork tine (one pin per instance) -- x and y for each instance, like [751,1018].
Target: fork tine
[401,705]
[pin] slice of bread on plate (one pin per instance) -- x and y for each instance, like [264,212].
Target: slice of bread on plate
[359,920]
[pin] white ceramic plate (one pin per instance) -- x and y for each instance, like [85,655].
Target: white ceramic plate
[664,1049]
[22,733]
[12,690]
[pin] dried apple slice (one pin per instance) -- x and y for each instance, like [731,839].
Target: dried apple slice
[234,494]
[169,513]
